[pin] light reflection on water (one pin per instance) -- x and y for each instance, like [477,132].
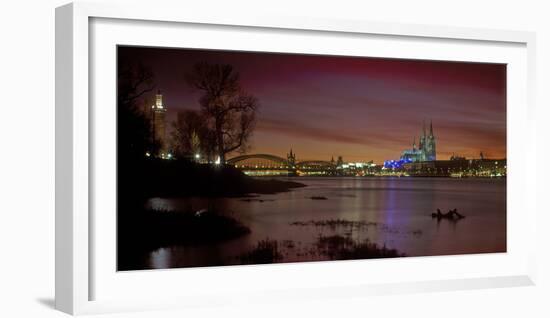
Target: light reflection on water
[401,207]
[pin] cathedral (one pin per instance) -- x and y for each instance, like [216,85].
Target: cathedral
[425,150]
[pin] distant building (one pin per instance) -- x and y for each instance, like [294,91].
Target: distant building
[425,151]
[158,123]
[340,162]
[291,157]
[426,148]
[457,157]
[458,167]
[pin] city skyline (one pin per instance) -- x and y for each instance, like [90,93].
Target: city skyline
[360,108]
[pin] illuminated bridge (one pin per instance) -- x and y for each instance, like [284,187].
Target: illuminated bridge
[271,165]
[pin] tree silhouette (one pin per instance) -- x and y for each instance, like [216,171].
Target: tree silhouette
[228,109]
[191,136]
[134,127]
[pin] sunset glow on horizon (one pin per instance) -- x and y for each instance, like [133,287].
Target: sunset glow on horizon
[359,108]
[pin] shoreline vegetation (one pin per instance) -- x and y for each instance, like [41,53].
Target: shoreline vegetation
[142,230]
[327,247]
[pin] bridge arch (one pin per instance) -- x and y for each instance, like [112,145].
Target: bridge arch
[268,157]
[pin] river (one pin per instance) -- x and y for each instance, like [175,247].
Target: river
[393,212]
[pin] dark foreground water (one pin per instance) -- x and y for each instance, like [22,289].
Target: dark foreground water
[392,212]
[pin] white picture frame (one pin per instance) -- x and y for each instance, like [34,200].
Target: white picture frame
[76,249]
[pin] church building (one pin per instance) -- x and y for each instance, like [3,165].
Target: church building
[425,150]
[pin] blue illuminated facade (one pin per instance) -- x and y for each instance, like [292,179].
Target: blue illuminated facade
[424,152]
[396,164]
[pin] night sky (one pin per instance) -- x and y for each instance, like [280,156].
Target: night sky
[360,108]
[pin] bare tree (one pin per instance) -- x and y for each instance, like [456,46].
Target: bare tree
[134,130]
[134,80]
[229,109]
[191,135]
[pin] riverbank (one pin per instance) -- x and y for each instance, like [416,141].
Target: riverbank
[141,230]
[179,178]
[146,230]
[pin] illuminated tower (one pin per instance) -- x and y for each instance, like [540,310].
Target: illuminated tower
[430,145]
[159,124]
[291,157]
[422,143]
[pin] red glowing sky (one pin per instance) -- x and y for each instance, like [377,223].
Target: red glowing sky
[359,108]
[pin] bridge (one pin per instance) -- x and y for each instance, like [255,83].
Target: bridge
[271,165]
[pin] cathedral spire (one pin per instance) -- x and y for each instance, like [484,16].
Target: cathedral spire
[424,127]
[431,129]
[291,157]
[414,143]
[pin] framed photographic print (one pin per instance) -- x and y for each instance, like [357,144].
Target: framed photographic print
[276,154]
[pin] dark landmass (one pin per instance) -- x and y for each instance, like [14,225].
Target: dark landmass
[141,230]
[318,198]
[147,230]
[256,200]
[180,178]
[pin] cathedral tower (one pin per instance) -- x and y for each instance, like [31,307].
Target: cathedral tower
[425,150]
[422,142]
[430,145]
[291,157]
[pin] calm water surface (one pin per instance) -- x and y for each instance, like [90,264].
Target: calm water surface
[399,209]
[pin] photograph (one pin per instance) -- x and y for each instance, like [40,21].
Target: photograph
[231,157]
